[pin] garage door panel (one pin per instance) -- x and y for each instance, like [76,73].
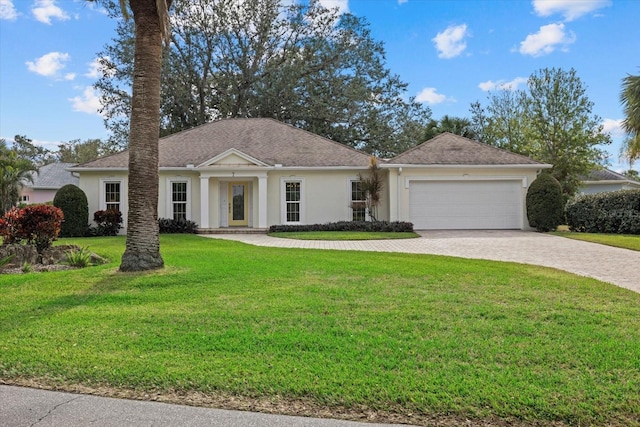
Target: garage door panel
[465,204]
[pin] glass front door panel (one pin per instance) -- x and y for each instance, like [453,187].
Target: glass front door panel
[238,202]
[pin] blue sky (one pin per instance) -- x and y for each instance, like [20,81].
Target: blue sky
[450,52]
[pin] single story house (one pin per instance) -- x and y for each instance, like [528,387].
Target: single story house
[603,180]
[254,173]
[46,182]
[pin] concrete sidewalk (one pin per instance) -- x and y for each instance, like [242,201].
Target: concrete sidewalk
[617,266]
[22,407]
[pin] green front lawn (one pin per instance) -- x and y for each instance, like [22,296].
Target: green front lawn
[420,337]
[625,241]
[344,235]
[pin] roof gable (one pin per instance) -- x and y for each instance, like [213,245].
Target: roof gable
[232,157]
[449,149]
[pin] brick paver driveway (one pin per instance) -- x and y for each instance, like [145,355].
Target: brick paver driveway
[620,267]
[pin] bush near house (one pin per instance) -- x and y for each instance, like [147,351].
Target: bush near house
[35,224]
[545,205]
[183,226]
[73,203]
[108,223]
[384,226]
[613,212]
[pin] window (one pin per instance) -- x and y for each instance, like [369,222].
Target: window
[292,201]
[358,201]
[292,198]
[179,200]
[25,198]
[112,195]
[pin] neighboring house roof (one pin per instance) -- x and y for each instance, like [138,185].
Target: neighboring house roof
[608,176]
[267,140]
[52,177]
[450,149]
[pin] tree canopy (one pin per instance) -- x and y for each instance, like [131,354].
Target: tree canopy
[456,125]
[630,98]
[552,121]
[15,170]
[299,63]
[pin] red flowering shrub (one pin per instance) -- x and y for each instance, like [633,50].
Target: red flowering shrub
[37,224]
[109,222]
[9,227]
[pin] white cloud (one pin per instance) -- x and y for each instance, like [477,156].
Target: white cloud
[502,85]
[95,68]
[450,43]
[341,5]
[547,40]
[48,65]
[570,9]
[8,11]
[88,103]
[44,10]
[402,1]
[431,96]
[614,127]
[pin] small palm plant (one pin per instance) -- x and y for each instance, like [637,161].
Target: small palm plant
[372,186]
[79,258]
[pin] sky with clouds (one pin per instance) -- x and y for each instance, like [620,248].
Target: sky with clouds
[449,52]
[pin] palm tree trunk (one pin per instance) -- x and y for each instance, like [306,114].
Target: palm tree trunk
[143,240]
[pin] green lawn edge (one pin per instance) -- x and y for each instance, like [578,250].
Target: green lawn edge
[625,241]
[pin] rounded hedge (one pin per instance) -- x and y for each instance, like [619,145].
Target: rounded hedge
[73,203]
[545,203]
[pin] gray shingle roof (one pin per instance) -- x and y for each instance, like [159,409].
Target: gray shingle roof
[53,176]
[266,140]
[450,149]
[606,175]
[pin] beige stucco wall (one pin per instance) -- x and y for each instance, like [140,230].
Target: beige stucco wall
[91,183]
[399,179]
[326,195]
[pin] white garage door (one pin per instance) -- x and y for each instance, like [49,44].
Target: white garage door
[465,204]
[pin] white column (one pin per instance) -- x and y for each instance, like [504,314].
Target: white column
[262,201]
[204,202]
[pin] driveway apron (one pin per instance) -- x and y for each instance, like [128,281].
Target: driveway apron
[608,264]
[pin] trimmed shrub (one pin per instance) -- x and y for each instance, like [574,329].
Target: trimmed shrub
[73,202]
[108,222]
[169,225]
[35,224]
[376,226]
[616,212]
[545,204]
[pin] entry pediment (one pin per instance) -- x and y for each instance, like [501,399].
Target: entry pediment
[233,157]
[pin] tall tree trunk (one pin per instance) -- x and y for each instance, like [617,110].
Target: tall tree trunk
[143,240]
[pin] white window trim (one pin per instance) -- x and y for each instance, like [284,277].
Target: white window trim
[103,201]
[170,181]
[349,201]
[283,200]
